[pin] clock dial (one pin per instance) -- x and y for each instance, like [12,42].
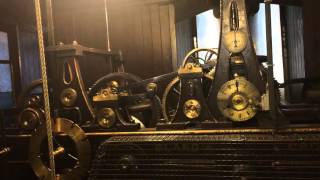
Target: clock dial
[235,41]
[238,99]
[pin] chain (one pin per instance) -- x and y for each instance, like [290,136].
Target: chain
[45,85]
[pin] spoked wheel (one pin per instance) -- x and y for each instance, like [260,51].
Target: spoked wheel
[132,104]
[203,57]
[170,99]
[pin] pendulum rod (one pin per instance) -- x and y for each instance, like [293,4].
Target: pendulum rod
[45,85]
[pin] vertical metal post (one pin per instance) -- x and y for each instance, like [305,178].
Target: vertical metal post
[50,26]
[107,25]
[45,86]
[270,61]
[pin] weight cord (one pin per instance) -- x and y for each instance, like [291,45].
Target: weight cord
[45,86]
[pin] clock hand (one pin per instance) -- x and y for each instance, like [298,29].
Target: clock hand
[235,39]
[237,85]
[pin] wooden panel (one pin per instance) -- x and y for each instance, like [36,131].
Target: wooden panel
[184,39]
[64,27]
[141,31]
[147,42]
[295,49]
[29,54]
[311,37]
[165,41]
[80,21]
[144,35]
[156,39]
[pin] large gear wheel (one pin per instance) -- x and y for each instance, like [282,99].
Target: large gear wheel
[71,150]
[172,92]
[30,101]
[138,106]
[26,92]
[204,57]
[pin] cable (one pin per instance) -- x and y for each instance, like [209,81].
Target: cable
[45,85]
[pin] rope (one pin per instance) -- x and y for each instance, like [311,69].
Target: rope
[45,85]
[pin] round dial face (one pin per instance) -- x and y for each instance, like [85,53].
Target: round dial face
[238,99]
[235,41]
[192,109]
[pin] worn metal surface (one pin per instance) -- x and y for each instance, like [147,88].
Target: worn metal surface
[67,128]
[254,155]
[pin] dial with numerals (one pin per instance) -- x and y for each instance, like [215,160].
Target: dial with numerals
[238,99]
[235,41]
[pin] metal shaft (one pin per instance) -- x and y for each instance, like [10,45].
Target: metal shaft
[50,26]
[107,25]
[45,86]
[270,60]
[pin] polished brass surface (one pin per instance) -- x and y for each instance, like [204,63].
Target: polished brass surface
[114,85]
[106,117]
[110,93]
[235,41]
[192,109]
[239,102]
[237,59]
[238,99]
[68,97]
[152,131]
[105,96]
[190,68]
[151,87]
[59,151]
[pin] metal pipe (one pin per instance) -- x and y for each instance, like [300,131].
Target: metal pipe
[107,25]
[271,88]
[50,26]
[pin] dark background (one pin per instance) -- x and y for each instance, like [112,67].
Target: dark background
[153,35]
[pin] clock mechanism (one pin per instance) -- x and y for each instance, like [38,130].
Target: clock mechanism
[236,91]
